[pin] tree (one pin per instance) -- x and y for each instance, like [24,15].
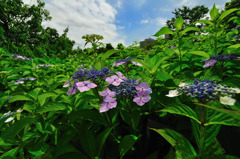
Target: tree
[230,5]
[92,38]
[188,15]
[21,23]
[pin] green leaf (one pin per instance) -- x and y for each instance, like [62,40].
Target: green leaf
[98,65]
[89,114]
[88,142]
[181,109]
[204,21]
[214,13]
[51,107]
[108,54]
[236,46]
[199,53]
[34,94]
[10,133]
[101,139]
[42,98]
[155,67]
[226,13]
[126,144]
[19,98]
[163,31]
[178,23]
[10,154]
[183,148]
[189,29]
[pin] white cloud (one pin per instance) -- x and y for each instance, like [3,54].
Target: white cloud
[160,22]
[84,17]
[190,3]
[144,21]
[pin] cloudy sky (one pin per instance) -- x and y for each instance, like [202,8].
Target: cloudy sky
[119,21]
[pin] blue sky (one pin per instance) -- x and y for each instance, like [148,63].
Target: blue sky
[119,21]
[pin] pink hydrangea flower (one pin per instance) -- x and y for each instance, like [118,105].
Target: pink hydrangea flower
[108,92]
[73,89]
[105,106]
[85,86]
[141,100]
[120,75]
[114,80]
[143,89]
[67,84]
[136,63]
[209,63]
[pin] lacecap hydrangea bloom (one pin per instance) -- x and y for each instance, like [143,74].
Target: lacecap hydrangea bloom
[213,59]
[126,88]
[84,79]
[126,61]
[205,91]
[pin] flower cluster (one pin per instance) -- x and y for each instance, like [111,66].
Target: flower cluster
[81,86]
[205,91]
[92,74]
[9,114]
[213,59]
[43,65]
[122,86]
[126,61]
[21,80]
[20,57]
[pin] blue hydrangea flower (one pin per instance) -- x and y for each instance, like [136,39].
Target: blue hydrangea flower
[205,91]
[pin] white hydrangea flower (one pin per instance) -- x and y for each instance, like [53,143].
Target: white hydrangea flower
[182,84]
[227,100]
[9,119]
[173,93]
[236,89]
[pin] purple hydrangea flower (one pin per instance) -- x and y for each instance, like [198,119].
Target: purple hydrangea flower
[120,75]
[109,104]
[209,63]
[114,80]
[143,89]
[85,86]
[127,61]
[108,92]
[73,89]
[141,100]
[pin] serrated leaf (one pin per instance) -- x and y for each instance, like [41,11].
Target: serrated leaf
[226,13]
[163,31]
[19,98]
[51,107]
[189,29]
[10,133]
[204,21]
[42,98]
[181,109]
[214,13]
[199,53]
[183,148]
[178,23]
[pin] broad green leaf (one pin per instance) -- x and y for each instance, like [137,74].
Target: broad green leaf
[236,46]
[163,76]
[64,149]
[88,142]
[49,107]
[155,67]
[144,64]
[189,29]
[89,114]
[10,154]
[233,114]
[34,94]
[98,65]
[42,98]
[183,148]
[199,53]
[214,13]
[178,23]
[101,139]
[10,133]
[126,144]
[181,109]
[163,31]
[226,13]
[19,98]
[108,54]
[204,21]
[3,100]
